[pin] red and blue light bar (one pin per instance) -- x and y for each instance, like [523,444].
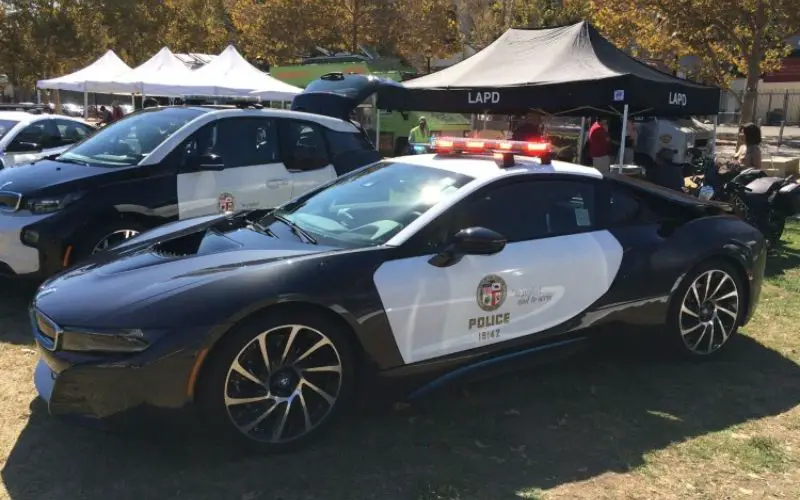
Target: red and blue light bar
[501,149]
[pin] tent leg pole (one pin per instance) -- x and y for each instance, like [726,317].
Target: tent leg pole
[581,137]
[377,125]
[714,137]
[621,155]
[85,104]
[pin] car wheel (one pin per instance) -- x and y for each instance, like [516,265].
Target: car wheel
[106,237]
[707,310]
[278,380]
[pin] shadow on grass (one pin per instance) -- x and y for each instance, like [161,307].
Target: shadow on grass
[15,296]
[598,412]
[786,254]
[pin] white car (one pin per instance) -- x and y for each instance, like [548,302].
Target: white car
[26,137]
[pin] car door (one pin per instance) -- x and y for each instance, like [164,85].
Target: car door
[305,154]
[246,171]
[555,265]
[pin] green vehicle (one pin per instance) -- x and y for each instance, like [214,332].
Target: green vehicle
[394,125]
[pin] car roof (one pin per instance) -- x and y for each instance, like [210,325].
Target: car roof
[18,116]
[486,167]
[223,111]
[25,117]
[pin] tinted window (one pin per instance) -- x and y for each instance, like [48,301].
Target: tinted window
[521,211]
[344,142]
[71,132]
[127,141]
[42,133]
[303,145]
[623,207]
[5,126]
[239,142]
[368,207]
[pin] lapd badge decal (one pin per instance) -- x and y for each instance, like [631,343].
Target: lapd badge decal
[226,202]
[491,293]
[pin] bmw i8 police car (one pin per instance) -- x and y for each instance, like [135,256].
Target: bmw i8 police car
[408,270]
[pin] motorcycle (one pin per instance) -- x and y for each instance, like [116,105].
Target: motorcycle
[763,201]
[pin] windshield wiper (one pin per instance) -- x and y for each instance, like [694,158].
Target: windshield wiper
[264,229]
[297,230]
[61,159]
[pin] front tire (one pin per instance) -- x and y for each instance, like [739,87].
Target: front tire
[278,380]
[107,236]
[707,310]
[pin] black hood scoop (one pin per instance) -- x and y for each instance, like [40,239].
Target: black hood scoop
[199,243]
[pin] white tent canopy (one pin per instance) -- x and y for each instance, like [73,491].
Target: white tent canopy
[228,75]
[162,65]
[104,69]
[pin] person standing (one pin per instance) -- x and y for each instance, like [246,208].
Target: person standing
[420,134]
[599,146]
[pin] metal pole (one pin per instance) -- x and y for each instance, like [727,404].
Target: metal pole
[783,121]
[581,136]
[85,103]
[714,137]
[377,122]
[622,139]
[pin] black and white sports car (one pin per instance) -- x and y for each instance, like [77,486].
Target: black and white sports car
[411,269]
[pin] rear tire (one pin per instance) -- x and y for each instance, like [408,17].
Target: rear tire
[278,380]
[706,310]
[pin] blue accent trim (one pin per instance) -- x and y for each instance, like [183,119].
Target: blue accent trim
[448,377]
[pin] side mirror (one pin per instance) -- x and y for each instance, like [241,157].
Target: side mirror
[208,161]
[470,241]
[23,147]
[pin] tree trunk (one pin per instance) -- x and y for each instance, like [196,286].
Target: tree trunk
[354,26]
[753,69]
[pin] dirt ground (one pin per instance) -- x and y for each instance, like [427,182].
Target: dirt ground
[621,422]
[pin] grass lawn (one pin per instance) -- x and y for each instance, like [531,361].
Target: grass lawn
[616,424]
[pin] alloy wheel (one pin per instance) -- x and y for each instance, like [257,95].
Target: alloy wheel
[114,238]
[283,384]
[709,312]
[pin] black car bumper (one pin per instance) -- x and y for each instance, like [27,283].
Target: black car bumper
[112,391]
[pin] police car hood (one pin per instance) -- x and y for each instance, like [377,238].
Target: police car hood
[49,177]
[187,255]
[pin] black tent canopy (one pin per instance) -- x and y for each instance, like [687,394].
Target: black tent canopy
[569,70]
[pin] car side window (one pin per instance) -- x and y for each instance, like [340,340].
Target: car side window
[71,132]
[239,142]
[34,133]
[521,211]
[345,142]
[623,207]
[303,146]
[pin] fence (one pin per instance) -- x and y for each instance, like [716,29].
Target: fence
[772,107]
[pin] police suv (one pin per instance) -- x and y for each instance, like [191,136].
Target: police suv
[163,164]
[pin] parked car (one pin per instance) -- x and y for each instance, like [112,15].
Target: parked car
[401,275]
[163,164]
[27,137]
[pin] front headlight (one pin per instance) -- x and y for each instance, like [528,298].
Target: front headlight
[120,341]
[51,203]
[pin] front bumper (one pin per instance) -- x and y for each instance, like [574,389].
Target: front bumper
[115,390]
[34,246]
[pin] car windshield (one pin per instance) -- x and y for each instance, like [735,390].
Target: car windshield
[128,141]
[5,126]
[369,206]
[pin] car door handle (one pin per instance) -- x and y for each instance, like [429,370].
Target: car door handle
[276,183]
